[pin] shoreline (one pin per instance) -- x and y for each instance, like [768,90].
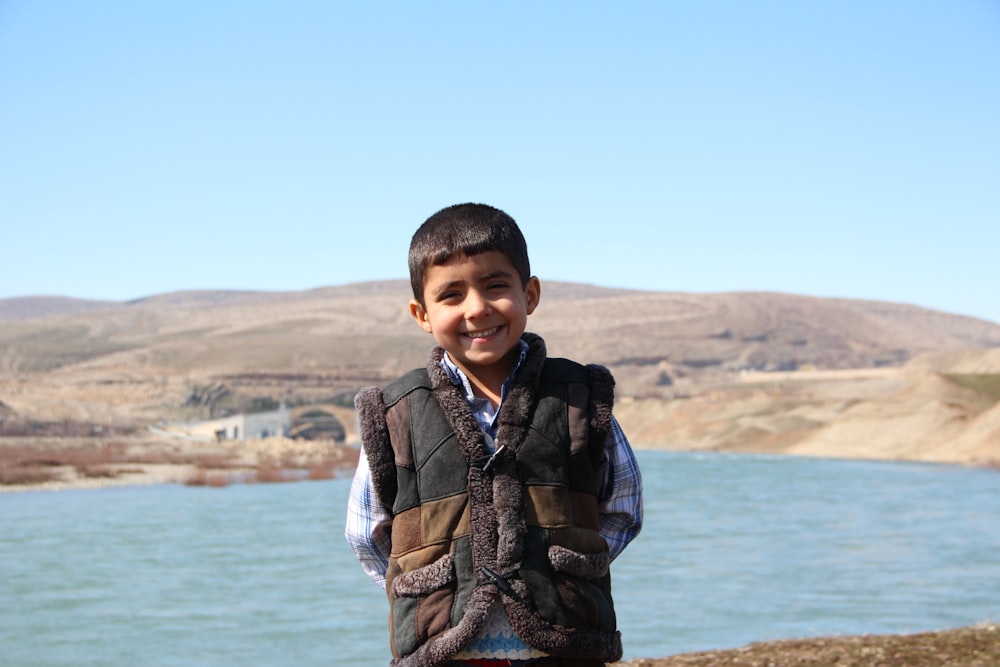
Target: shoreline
[65,464]
[973,646]
[256,465]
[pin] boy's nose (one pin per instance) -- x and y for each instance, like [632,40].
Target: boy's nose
[476,304]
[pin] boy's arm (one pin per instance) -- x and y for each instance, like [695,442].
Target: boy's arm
[621,505]
[368,525]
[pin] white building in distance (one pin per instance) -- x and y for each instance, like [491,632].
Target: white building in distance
[255,426]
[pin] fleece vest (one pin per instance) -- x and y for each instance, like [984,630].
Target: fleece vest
[519,524]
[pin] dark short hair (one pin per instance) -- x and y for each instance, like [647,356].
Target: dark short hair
[465,229]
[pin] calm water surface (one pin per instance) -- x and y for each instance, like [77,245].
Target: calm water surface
[735,549]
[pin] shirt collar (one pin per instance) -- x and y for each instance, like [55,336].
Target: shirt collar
[459,378]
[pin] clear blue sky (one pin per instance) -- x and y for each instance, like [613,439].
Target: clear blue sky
[842,148]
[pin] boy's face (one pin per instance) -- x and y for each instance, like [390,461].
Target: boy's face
[477,309]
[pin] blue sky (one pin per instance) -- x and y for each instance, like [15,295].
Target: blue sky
[841,148]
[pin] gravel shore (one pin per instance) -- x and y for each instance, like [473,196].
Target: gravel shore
[977,646]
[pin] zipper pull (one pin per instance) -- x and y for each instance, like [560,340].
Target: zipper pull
[493,458]
[501,583]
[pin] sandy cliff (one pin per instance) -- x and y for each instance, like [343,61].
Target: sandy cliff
[941,407]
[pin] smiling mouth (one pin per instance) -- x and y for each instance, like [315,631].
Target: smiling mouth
[485,333]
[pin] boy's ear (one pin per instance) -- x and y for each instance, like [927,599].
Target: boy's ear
[420,315]
[532,293]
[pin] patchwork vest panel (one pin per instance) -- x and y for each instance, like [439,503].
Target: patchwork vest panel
[470,527]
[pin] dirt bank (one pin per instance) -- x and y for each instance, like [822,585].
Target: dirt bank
[978,646]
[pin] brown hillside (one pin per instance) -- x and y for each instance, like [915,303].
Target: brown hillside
[367,324]
[734,371]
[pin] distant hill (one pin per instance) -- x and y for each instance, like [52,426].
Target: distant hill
[366,327]
[33,307]
[742,371]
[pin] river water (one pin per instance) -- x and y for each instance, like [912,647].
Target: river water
[735,549]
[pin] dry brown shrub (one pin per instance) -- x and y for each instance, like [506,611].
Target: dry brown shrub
[322,470]
[202,477]
[130,470]
[31,462]
[21,464]
[97,472]
[13,475]
[218,481]
[271,474]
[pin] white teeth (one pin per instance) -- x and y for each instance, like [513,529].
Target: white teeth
[482,334]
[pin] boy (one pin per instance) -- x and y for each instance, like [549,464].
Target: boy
[494,486]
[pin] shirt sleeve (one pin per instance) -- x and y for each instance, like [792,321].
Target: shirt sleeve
[621,505]
[368,528]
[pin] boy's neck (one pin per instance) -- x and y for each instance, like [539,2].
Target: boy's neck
[487,381]
[493,395]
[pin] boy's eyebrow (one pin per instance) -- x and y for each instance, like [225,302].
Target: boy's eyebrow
[499,273]
[444,287]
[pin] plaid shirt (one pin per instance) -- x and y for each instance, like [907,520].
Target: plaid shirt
[369,523]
